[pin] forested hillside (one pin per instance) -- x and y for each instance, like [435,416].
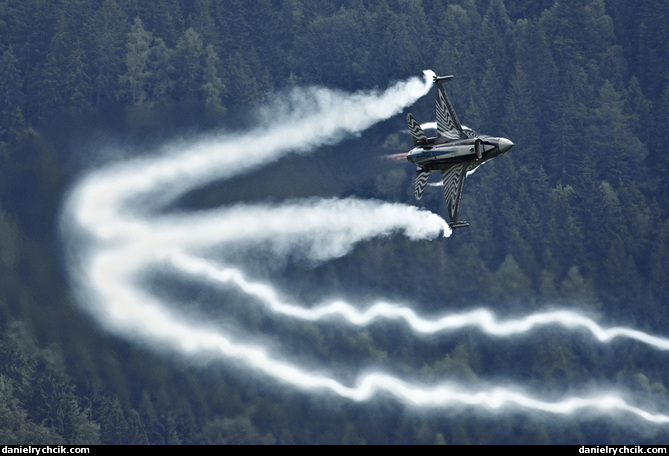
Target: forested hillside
[575,215]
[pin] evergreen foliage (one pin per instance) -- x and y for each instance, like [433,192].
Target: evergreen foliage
[576,214]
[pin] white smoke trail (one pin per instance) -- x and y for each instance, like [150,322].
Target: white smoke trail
[115,232]
[484,319]
[429,126]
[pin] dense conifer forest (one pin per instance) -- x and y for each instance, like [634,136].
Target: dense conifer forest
[575,215]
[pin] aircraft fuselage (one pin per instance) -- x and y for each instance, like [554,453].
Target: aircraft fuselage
[437,153]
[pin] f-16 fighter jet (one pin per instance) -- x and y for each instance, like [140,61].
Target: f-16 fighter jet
[455,151]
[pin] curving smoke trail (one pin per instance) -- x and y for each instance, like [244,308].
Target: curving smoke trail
[115,229]
[483,319]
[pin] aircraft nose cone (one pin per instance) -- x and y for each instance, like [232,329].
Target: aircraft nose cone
[504,145]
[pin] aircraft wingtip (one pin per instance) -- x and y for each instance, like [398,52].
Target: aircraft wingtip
[437,79]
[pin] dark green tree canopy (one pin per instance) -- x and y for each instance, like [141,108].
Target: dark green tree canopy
[575,215]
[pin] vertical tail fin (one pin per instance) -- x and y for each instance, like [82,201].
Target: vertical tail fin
[417,133]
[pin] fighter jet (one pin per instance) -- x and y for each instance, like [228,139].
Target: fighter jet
[455,151]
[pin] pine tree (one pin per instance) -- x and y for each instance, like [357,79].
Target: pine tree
[188,65]
[108,27]
[212,85]
[11,91]
[639,108]
[520,121]
[622,156]
[495,33]
[160,85]
[137,62]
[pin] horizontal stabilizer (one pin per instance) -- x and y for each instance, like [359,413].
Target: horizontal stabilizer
[420,183]
[417,133]
[461,224]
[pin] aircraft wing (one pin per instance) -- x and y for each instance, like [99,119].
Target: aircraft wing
[448,125]
[453,179]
